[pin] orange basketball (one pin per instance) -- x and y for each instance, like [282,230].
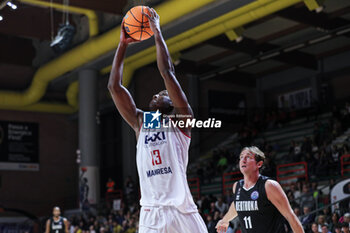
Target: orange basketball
[136,24]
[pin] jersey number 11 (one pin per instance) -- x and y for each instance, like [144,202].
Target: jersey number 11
[248,222]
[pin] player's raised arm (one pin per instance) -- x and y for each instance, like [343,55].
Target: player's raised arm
[121,96]
[279,199]
[166,67]
[222,225]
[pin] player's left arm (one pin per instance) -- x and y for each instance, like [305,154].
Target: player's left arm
[166,67]
[66,225]
[279,199]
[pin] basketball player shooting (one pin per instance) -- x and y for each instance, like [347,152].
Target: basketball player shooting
[162,154]
[259,203]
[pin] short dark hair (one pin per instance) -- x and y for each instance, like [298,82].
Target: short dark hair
[345,224]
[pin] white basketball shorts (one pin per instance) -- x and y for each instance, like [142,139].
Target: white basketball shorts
[167,219]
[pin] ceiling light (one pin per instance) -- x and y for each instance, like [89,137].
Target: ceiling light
[319,9]
[13,6]
[63,39]
[1,18]
[239,39]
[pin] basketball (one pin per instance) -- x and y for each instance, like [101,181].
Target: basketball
[136,24]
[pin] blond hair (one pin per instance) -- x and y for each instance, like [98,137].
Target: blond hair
[259,155]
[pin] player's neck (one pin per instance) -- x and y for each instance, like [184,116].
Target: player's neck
[250,179]
[56,218]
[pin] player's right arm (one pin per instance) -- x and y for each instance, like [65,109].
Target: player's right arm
[222,225]
[47,229]
[121,96]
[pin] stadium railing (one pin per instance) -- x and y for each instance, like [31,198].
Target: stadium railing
[195,187]
[288,173]
[345,165]
[229,178]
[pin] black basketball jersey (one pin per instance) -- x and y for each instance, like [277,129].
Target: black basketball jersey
[57,226]
[255,212]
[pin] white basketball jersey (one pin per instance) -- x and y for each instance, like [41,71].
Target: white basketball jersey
[162,157]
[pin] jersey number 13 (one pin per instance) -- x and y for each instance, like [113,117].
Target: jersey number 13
[156,159]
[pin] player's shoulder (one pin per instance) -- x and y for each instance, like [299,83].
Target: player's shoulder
[64,219]
[271,183]
[272,187]
[234,187]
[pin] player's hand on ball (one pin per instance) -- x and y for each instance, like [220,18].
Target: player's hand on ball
[153,19]
[221,226]
[124,37]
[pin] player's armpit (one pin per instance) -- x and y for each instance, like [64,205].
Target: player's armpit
[279,199]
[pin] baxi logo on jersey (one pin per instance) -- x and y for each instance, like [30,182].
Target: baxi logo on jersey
[151,120]
[158,138]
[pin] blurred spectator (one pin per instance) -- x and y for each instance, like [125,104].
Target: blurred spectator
[296,192]
[306,198]
[345,227]
[327,215]
[347,218]
[307,145]
[211,224]
[337,228]
[334,222]
[229,197]
[325,229]
[297,151]
[291,199]
[321,220]
[110,185]
[212,209]
[297,213]
[92,229]
[130,189]
[205,205]
[222,163]
[308,218]
[221,206]
[314,228]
